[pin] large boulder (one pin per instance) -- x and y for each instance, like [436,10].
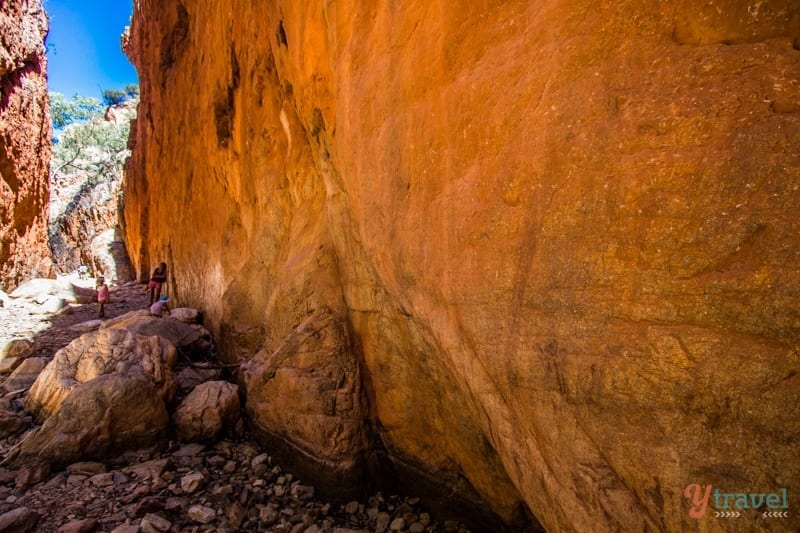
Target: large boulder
[190,377]
[19,520]
[13,352]
[105,416]
[210,409]
[95,354]
[25,374]
[42,290]
[192,339]
[19,348]
[304,399]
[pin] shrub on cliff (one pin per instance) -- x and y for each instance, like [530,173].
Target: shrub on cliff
[96,147]
[88,154]
[64,112]
[86,141]
[112,97]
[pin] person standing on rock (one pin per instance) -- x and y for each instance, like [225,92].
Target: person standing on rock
[160,308]
[103,296]
[156,280]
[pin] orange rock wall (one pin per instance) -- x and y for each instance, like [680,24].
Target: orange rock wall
[24,143]
[545,253]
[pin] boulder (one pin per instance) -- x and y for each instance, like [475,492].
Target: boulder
[8,364]
[190,377]
[87,468]
[127,528]
[42,290]
[304,399]
[89,325]
[13,423]
[19,348]
[207,411]
[193,340]
[121,320]
[186,315]
[108,251]
[86,525]
[94,354]
[19,520]
[100,419]
[24,376]
[53,304]
[201,514]
[191,482]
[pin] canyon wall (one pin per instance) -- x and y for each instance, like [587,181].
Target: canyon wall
[24,143]
[541,257]
[86,194]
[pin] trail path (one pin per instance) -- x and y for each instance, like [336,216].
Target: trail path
[51,331]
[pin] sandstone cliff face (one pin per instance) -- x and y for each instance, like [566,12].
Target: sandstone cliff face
[24,143]
[545,253]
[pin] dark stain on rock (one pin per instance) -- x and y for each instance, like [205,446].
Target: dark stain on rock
[174,41]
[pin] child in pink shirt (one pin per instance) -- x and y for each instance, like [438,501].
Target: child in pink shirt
[103,296]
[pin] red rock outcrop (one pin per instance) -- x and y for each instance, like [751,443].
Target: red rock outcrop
[24,143]
[544,253]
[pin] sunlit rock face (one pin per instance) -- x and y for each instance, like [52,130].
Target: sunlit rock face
[24,143]
[544,254]
[85,206]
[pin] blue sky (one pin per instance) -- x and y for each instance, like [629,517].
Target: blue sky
[84,54]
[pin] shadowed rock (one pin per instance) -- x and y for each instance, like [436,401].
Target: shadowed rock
[18,348]
[25,375]
[105,416]
[209,409]
[19,520]
[95,354]
[304,399]
[192,339]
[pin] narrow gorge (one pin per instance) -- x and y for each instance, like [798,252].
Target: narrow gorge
[536,262]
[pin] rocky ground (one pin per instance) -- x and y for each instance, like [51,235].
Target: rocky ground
[230,485]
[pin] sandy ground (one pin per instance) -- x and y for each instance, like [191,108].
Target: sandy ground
[24,319]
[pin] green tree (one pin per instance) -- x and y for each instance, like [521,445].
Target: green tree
[95,147]
[64,112]
[132,90]
[114,96]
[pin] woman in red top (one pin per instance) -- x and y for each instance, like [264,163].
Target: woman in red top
[156,280]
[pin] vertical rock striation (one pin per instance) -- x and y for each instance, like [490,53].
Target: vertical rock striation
[542,255]
[24,143]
